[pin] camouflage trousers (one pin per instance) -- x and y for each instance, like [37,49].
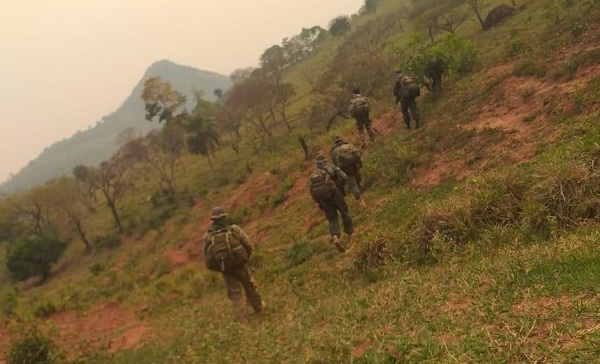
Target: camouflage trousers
[363,122]
[240,281]
[354,180]
[406,105]
[336,204]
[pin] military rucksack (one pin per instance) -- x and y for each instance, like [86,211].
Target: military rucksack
[225,251]
[322,185]
[347,155]
[359,106]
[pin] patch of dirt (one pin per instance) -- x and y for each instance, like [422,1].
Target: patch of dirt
[520,109]
[107,326]
[359,350]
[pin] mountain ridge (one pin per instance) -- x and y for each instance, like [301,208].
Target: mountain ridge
[99,142]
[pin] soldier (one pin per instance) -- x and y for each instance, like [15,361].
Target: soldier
[359,109]
[349,159]
[406,91]
[326,188]
[226,249]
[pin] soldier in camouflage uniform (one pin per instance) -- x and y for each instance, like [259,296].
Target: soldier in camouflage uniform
[237,279]
[403,90]
[335,203]
[348,158]
[360,113]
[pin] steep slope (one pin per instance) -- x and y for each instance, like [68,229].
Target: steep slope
[97,144]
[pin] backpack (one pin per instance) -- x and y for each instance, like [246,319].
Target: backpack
[413,90]
[359,106]
[347,155]
[225,251]
[410,91]
[322,185]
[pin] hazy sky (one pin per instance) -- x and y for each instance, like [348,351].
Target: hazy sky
[64,64]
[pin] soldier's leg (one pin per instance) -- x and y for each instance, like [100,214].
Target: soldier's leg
[332,218]
[414,110]
[360,128]
[404,108]
[235,294]
[249,284]
[353,186]
[369,127]
[342,207]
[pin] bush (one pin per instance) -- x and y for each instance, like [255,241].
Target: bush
[34,256]
[34,348]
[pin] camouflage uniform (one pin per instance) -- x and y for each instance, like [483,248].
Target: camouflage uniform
[362,120]
[352,171]
[406,102]
[335,204]
[238,280]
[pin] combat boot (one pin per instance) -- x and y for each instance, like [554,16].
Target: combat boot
[338,244]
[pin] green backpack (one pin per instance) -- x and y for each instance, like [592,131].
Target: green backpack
[359,106]
[347,155]
[322,185]
[225,251]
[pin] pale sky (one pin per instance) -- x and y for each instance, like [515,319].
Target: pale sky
[64,64]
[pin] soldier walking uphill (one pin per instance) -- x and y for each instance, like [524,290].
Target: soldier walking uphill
[226,249]
[359,109]
[326,188]
[406,91]
[349,159]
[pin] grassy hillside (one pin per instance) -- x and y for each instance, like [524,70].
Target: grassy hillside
[479,243]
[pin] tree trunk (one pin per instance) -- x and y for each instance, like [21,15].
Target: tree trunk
[304,147]
[81,233]
[113,209]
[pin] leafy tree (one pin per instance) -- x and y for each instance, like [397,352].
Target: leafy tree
[161,99]
[339,26]
[204,138]
[241,74]
[369,6]
[33,256]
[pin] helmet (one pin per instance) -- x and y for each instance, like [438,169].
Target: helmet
[217,213]
[338,139]
[320,158]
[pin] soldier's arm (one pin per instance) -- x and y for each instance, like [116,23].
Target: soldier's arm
[204,243]
[340,175]
[243,237]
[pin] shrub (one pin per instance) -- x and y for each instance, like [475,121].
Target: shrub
[34,256]
[32,348]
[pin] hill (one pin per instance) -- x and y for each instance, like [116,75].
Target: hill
[479,243]
[92,146]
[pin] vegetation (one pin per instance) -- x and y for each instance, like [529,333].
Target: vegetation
[479,244]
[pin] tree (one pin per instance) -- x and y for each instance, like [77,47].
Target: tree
[477,7]
[111,179]
[369,6]
[33,256]
[339,26]
[203,138]
[161,99]
[71,206]
[33,208]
